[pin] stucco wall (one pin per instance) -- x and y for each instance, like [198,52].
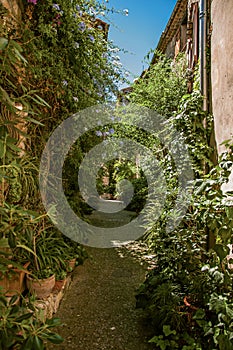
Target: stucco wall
[222,69]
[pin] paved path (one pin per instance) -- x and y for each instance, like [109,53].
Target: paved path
[98,311]
[111,219]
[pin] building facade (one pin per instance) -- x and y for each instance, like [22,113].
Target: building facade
[203,30]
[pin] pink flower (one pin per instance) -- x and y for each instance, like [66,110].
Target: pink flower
[34,2]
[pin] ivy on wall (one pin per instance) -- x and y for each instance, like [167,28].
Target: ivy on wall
[187,297]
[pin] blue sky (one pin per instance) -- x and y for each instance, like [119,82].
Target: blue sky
[140,31]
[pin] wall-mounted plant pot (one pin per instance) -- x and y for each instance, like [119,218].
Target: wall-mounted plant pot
[40,287]
[13,282]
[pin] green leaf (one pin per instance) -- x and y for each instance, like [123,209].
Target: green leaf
[221,250]
[14,310]
[229,312]
[199,314]
[3,43]
[55,338]
[229,212]
[224,342]
[229,193]
[53,322]
[16,45]
[2,149]
[155,339]
[20,57]
[33,121]
[11,239]
[14,147]
[26,248]
[13,299]
[6,97]
[28,344]
[42,101]
[3,300]
[4,243]
[38,343]
[167,330]
[24,317]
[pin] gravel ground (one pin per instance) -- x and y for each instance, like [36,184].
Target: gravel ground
[98,311]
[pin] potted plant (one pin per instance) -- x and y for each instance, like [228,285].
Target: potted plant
[75,254]
[13,261]
[48,259]
[22,328]
[12,279]
[60,279]
[41,286]
[71,263]
[41,279]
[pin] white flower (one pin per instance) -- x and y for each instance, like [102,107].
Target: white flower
[56,7]
[115,49]
[92,11]
[76,45]
[117,64]
[126,12]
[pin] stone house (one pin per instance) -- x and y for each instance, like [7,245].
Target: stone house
[203,30]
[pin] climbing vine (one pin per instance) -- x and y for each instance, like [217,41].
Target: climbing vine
[188,296]
[55,62]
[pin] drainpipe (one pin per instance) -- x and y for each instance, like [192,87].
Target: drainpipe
[203,61]
[204,83]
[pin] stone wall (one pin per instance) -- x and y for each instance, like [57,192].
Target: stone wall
[14,7]
[222,72]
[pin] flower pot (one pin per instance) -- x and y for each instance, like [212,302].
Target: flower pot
[59,285]
[13,282]
[72,263]
[41,287]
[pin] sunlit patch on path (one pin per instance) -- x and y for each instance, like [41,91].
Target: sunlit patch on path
[98,311]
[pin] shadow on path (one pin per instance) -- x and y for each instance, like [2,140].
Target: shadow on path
[98,311]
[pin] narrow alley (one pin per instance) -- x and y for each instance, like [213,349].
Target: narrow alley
[98,311]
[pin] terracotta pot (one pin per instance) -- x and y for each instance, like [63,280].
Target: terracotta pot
[13,282]
[59,285]
[41,287]
[72,263]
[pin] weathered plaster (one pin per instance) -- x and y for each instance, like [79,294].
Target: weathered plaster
[222,73]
